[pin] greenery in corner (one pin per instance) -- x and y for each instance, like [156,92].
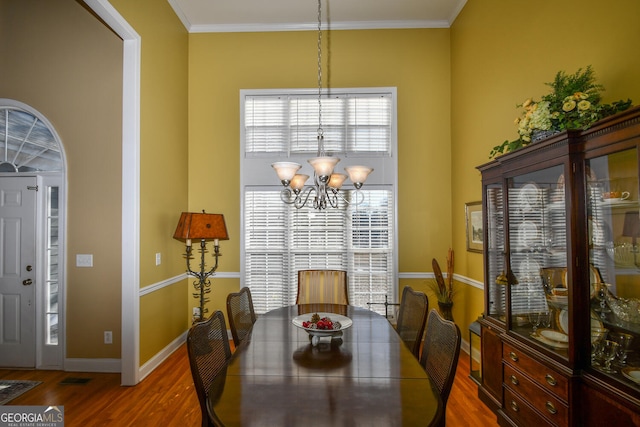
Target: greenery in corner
[574,103]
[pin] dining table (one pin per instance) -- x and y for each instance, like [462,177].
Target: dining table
[363,376]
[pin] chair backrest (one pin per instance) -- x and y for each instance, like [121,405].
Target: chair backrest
[440,353]
[322,286]
[412,316]
[240,314]
[209,351]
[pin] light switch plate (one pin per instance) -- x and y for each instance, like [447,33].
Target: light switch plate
[84,260]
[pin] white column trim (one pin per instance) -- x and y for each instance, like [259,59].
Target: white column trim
[130,353]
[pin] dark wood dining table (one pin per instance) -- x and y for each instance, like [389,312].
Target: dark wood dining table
[366,377]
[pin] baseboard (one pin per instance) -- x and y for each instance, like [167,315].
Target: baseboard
[161,356]
[464,346]
[93,365]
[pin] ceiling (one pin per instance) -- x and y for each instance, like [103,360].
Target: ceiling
[202,16]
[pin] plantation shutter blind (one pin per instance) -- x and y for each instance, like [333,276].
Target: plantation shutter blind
[351,123]
[280,240]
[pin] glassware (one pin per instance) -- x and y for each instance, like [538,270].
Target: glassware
[624,342]
[601,294]
[609,350]
[534,319]
[598,335]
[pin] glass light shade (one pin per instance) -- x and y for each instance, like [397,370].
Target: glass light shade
[358,174]
[323,165]
[298,181]
[336,180]
[286,170]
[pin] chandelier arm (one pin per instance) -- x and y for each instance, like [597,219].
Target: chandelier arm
[299,202]
[288,196]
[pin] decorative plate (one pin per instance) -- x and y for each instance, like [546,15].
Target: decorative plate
[632,373]
[563,321]
[550,343]
[528,233]
[528,271]
[554,335]
[529,196]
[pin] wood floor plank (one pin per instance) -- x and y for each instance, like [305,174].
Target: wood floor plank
[167,397]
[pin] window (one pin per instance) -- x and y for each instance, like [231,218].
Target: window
[278,239]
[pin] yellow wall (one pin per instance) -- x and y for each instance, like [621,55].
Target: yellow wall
[501,54]
[163,167]
[414,61]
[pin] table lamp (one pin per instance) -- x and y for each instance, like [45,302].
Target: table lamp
[204,227]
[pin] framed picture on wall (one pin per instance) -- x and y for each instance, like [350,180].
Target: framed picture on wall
[475,234]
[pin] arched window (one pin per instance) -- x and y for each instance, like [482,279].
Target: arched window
[27,144]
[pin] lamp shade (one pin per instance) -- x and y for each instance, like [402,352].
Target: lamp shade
[323,165]
[201,226]
[298,181]
[358,174]
[336,180]
[286,170]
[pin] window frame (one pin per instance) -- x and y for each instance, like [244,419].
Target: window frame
[256,169]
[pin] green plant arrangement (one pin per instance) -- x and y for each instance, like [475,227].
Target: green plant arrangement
[573,104]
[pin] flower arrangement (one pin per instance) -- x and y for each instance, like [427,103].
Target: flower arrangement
[574,103]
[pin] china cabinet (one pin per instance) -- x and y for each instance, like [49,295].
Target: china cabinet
[561,323]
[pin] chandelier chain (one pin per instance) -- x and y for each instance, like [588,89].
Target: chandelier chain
[325,190]
[320,130]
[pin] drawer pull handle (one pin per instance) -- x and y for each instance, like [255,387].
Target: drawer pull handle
[514,406]
[513,356]
[550,380]
[552,409]
[514,380]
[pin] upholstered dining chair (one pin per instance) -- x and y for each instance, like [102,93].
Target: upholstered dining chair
[240,314]
[322,286]
[412,316]
[209,351]
[440,355]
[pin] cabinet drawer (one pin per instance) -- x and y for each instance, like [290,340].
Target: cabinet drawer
[545,377]
[520,412]
[546,403]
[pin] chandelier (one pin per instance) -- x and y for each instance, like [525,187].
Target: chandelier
[326,184]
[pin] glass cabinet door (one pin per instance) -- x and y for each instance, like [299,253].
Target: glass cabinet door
[539,289]
[614,228]
[495,247]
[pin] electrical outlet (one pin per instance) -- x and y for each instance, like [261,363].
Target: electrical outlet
[196,311]
[108,337]
[158,258]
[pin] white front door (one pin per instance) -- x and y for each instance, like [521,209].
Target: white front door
[17,271]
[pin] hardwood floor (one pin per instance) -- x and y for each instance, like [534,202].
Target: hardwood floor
[167,397]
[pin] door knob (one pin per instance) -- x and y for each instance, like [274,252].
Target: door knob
[27,282]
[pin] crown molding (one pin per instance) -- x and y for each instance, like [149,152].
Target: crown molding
[346,25]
